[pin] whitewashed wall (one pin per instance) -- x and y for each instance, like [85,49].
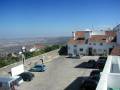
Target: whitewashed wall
[118,38]
[70,49]
[109,79]
[97,33]
[87,35]
[99,48]
[84,47]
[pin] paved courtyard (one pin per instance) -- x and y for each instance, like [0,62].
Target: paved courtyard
[62,74]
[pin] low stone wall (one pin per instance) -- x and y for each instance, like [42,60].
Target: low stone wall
[4,71]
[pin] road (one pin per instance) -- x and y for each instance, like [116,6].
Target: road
[61,74]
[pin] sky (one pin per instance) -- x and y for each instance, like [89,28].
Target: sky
[49,18]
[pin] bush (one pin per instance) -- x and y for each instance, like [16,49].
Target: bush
[50,48]
[3,63]
[63,50]
[28,54]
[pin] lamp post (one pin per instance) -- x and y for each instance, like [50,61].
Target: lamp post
[22,54]
[42,60]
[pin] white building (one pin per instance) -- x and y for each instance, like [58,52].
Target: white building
[118,37]
[110,77]
[117,30]
[91,43]
[37,47]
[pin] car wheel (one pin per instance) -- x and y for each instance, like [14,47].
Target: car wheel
[29,79]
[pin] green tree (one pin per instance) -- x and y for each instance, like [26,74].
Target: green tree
[63,50]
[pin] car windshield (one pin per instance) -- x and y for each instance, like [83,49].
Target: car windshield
[102,57]
[38,66]
[20,78]
[102,61]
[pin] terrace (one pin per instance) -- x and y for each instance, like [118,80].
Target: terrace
[110,76]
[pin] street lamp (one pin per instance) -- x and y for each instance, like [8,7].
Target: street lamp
[42,59]
[22,54]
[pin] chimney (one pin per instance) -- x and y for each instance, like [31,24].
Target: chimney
[74,36]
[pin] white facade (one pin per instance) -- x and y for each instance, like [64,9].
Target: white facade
[87,35]
[117,28]
[110,76]
[83,49]
[77,49]
[101,32]
[118,38]
[98,47]
[102,47]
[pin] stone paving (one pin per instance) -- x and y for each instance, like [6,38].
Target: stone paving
[61,74]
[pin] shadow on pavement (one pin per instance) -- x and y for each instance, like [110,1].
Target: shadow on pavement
[86,65]
[72,57]
[75,85]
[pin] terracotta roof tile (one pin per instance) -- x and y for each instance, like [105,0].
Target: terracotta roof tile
[97,38]
[110,36]
[72,41]
[110,33]
[116,51]
[80,34]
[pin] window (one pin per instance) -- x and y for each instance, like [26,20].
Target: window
[101,44]
[0,84]
[105,52]
[94,44]
[86,42]
[81,49]
[75,45]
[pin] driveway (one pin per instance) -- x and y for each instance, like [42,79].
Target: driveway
[61,74]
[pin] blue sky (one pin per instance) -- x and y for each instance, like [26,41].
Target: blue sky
[36,18]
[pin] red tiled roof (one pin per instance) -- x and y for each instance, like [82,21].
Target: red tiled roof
[97,38]
[80,34]
[110,33]
[72,41]
[116,51]
[110,36]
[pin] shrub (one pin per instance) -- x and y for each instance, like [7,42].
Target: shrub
[63,50]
